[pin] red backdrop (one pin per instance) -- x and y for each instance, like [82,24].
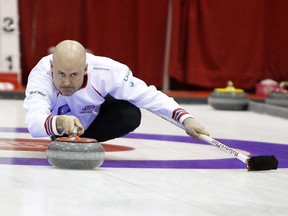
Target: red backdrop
[130,31]
[243,41]
[212,41]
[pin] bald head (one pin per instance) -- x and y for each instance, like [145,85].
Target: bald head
[69,54]
[69,66]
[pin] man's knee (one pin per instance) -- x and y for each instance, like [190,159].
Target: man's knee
[130,117]
[135,118]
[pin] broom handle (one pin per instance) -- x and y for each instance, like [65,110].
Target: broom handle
[224,148]
[211,141]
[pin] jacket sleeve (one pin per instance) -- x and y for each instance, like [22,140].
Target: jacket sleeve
[37,103]
[130,88]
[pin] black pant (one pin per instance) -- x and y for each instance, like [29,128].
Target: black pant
[115,119]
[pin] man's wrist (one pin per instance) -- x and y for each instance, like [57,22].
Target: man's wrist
[60,124]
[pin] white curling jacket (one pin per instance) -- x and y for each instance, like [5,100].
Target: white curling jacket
[43,102]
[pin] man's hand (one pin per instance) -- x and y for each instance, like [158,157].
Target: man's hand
[194,128]
[67,123]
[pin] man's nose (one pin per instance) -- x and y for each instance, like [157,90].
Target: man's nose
[66,82]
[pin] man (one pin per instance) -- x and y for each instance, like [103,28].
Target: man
[71,88]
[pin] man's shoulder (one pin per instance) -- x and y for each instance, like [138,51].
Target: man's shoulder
[44,62]
[42,68]
[102,62]
[46,58]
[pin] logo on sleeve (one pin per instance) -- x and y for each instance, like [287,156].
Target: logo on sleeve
[36,93]
[126,78]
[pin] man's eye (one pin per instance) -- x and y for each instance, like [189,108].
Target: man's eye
[73,75]
[61,74]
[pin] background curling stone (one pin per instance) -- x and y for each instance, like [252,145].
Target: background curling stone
[228,98]
[279,97]
[75,153]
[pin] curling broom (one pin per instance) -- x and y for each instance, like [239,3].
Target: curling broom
[255,163]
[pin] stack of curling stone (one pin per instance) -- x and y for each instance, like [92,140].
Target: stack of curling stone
[228,98]
[279,97]
[74,152]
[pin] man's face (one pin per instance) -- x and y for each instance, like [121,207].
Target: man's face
[68,78]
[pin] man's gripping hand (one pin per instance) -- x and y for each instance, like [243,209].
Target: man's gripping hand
[194,128]
[66,123]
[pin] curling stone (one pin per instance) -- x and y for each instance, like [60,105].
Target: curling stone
[74,152]
[228,98]
[266,86]
[279,97]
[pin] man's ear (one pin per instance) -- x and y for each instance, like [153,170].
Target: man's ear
[51,67]
[86,68]
[51,64]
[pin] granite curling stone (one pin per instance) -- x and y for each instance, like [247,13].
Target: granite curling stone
[75,153]
[228,98]
[278,97]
